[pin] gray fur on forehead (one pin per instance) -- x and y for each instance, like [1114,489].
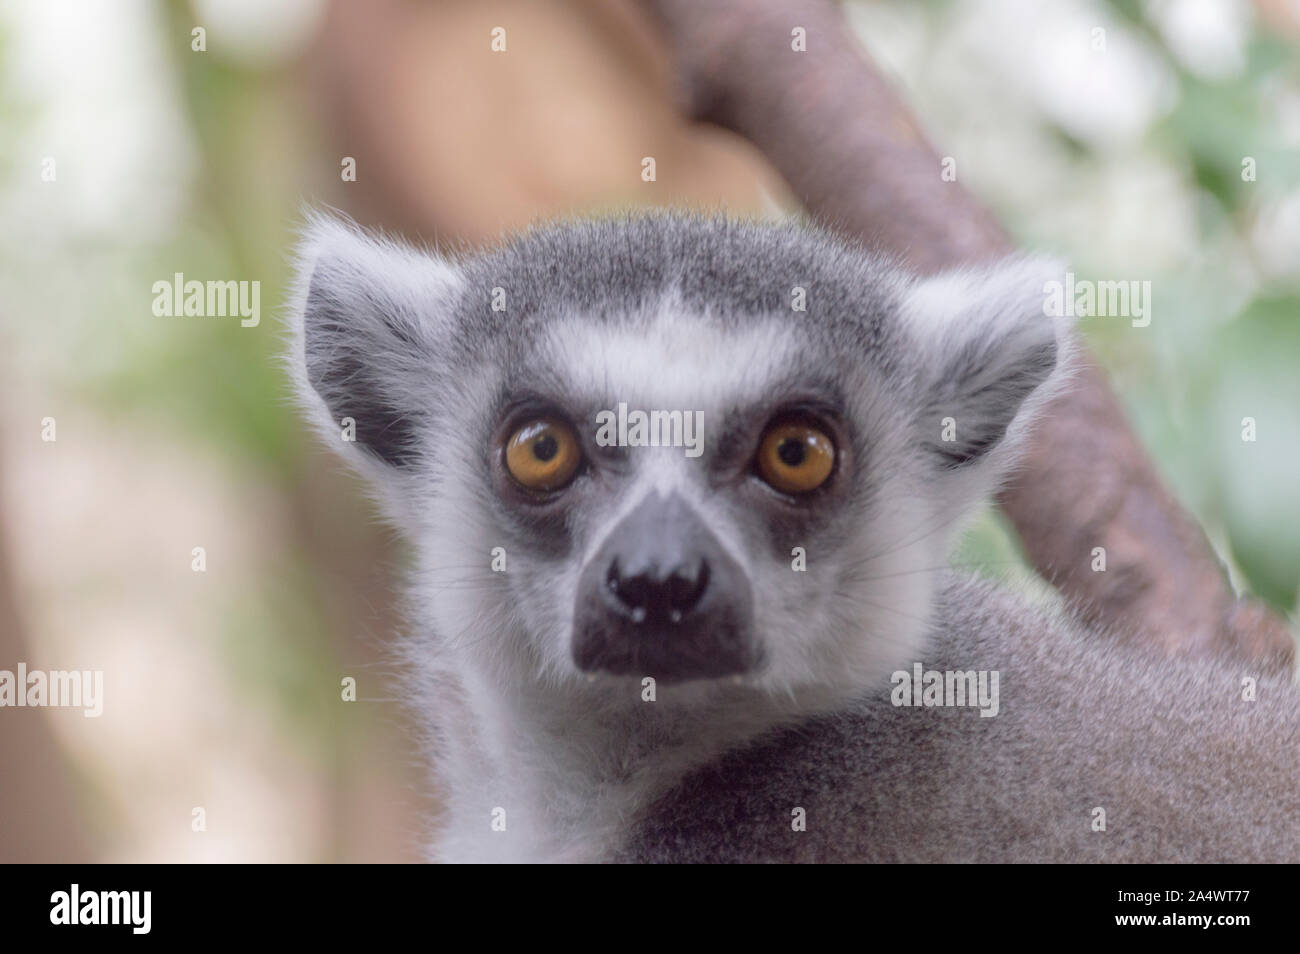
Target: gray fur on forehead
[618,268]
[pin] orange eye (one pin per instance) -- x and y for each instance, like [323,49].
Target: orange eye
[795,458]
[543,454]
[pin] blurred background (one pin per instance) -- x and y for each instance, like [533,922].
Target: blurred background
[222,686]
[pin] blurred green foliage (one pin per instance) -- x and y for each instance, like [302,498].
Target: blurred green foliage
[1224,343]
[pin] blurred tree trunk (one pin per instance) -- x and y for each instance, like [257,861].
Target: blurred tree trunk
[857,159]
[39,817]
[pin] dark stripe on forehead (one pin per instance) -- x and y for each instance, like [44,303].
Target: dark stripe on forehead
[724,271]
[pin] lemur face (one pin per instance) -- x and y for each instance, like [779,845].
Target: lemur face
[669,446]
[689,559]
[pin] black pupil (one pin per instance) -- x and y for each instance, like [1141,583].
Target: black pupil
[544,448]
[791,452]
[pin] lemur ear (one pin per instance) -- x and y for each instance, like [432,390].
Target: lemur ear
[365,320]
[990,354]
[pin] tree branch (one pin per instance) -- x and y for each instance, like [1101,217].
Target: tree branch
[853,154]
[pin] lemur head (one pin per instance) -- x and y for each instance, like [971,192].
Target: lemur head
[671,446]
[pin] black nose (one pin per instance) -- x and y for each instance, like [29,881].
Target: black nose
[653,596]
[663,597]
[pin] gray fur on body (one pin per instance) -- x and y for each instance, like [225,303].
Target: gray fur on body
[1185,768]
[691,313]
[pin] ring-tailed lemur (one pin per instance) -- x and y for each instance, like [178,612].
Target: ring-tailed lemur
[681,492]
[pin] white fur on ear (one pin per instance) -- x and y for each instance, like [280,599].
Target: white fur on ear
[366,320]
[990,353]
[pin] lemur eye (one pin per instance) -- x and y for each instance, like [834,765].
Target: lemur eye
[795,457]
[543,454]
